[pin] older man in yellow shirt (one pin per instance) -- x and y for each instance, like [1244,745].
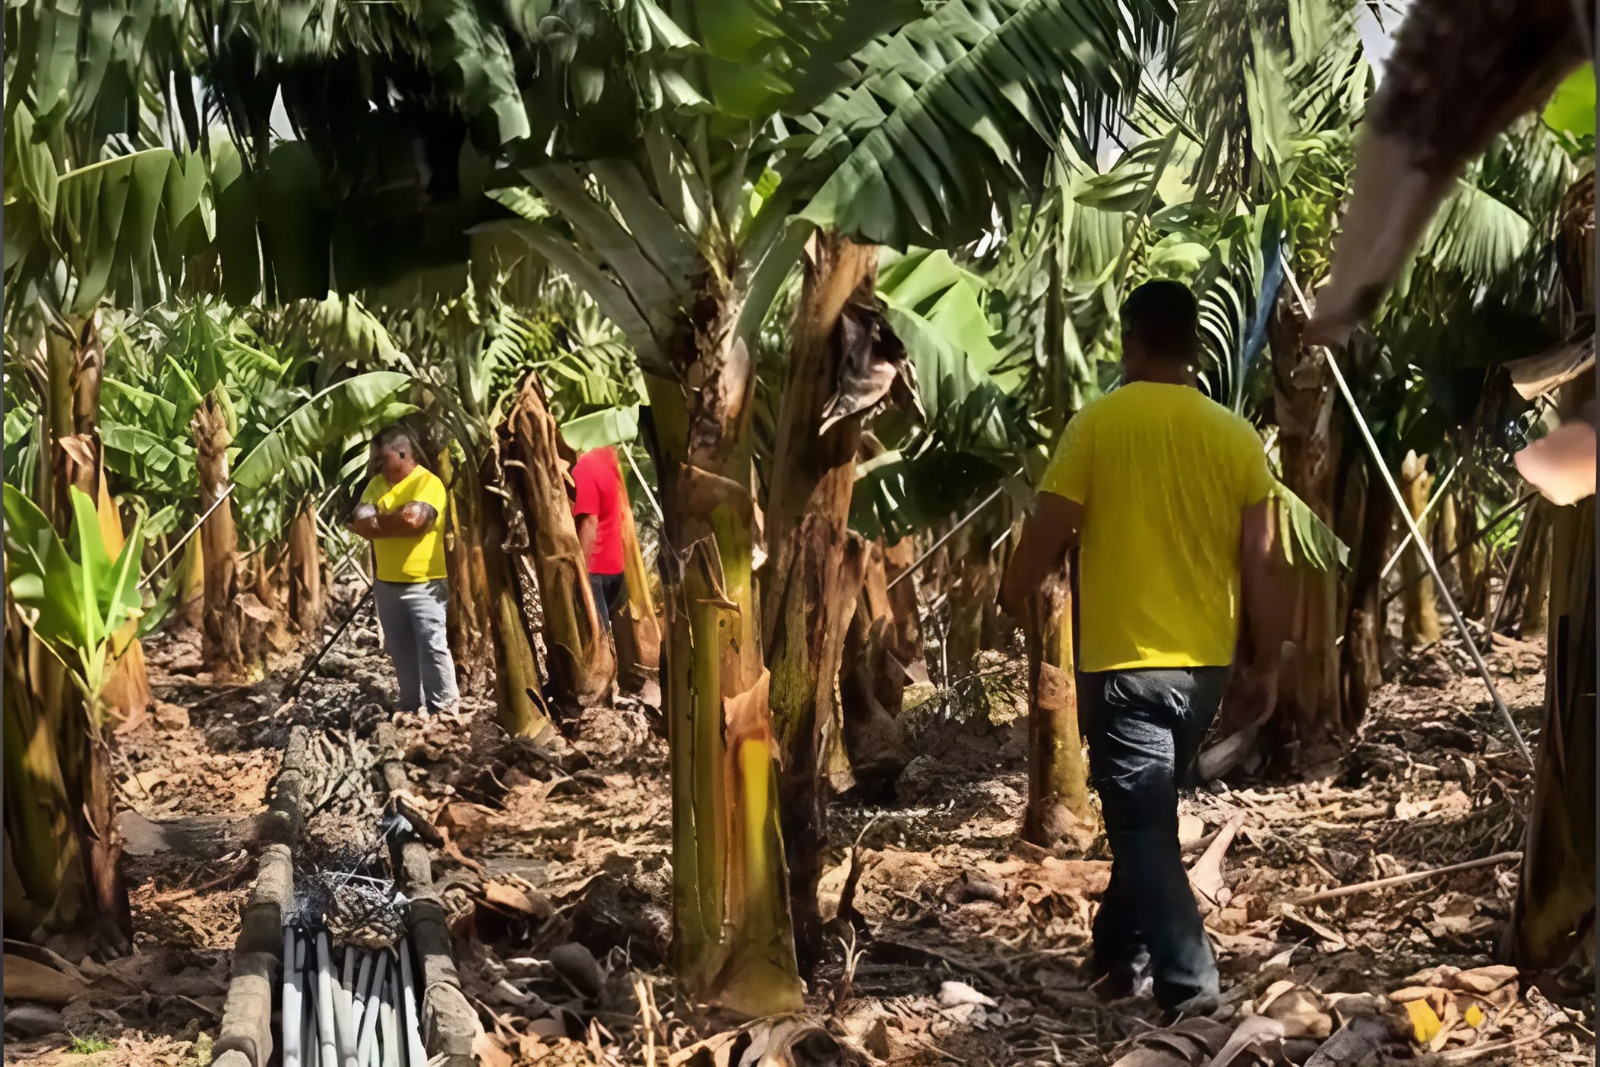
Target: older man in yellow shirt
[400,513]
[1167,496]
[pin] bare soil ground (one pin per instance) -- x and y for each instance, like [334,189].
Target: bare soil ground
[951,942]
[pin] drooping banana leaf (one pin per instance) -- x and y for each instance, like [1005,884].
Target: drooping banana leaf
[1305,539]
[333,414]
[598,429]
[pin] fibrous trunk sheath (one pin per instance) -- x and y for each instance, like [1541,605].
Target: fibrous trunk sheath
[305,569]
[221,646]
[518,687]
[578,651]
[814,575]
[732,939]
[637,629]
[1058,785]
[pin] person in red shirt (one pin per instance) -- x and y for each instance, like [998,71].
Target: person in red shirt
[597,511]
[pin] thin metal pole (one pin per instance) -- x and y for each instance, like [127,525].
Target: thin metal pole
[1411,524]
[952,532]
[1438,495]
[226,493]
[294,687]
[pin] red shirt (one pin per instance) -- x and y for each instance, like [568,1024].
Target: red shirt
[599,481]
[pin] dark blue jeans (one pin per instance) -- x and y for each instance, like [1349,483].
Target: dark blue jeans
[1144,729]
[610,594]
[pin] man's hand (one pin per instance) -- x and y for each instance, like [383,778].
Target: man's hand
[408,520]
[364,521]
[1258,687]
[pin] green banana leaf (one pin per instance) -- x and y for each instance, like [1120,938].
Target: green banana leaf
[598,429]
[349,407]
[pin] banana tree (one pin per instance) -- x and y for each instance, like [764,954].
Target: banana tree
[59,801]
[673,207]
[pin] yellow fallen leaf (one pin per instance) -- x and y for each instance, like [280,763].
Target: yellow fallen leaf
[1425,1022]
[1474,1016]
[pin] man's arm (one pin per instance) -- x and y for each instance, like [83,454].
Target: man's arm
[1258,579]
[588,530]
[1046,535]
[408,520]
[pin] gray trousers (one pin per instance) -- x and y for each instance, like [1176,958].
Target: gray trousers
[412,615]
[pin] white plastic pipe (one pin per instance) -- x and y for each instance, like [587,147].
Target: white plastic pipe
[358,992]
[416,1055]
[344,1031]
[369,1018]
[293,960]
[390,1021]
[328,1045]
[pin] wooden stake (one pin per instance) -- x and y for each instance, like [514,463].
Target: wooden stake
[1403,879]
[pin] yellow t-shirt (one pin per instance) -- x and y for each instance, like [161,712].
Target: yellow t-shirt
[1163,474]
[409,559]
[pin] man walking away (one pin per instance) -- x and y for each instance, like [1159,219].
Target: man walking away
[400,513]
[1167,495]
[597,512]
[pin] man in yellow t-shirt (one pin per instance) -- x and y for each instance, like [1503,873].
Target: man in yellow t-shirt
[1166,494]
[400,514]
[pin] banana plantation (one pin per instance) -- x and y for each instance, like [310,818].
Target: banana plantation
[830,283]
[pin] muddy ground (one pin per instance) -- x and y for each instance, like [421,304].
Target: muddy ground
[957,943]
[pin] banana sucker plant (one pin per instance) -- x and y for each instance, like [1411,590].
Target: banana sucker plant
[60,804]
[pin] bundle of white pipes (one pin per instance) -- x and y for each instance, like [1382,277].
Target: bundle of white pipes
[348,1006]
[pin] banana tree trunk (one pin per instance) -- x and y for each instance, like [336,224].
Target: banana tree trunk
[1472,565]
[38,812]
[814,575]
[90,895]
[192,590]
[974,585]
[1537,595]
[469,609]
[881,647]
[306,601]
[732,939]
[1420,625]
[1058,778]
[221,647]
[518,686]
[577,650]
[636,627]
[1366,513]
[1311,449]
[1554,909]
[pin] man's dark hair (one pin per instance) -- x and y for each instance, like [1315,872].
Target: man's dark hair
[1165,317]
[395,438]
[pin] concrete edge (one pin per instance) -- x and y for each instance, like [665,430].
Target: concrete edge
[449,1024]
[244,1036]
